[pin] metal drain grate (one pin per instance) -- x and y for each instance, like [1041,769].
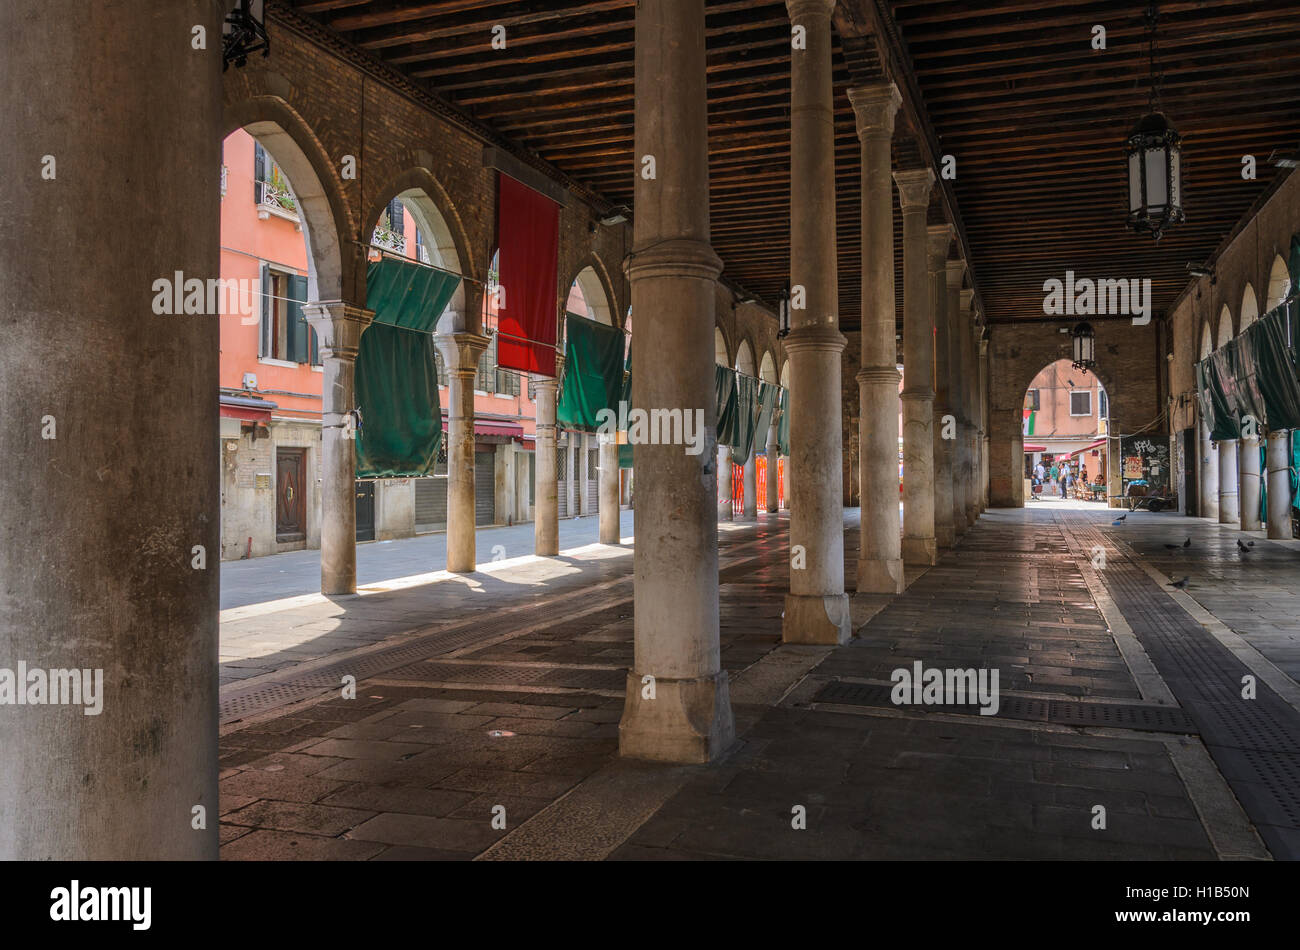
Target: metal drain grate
[1255,743]
[1114,715]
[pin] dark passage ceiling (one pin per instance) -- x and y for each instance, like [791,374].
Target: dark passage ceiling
[1034,116]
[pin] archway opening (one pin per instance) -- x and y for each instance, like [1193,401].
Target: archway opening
[280,250]
[1066,422]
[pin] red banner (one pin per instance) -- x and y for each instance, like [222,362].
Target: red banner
[528,234]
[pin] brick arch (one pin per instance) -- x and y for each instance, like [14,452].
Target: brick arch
[597,266]
[745,346]
[720,330]
[1126,367]
[328,223]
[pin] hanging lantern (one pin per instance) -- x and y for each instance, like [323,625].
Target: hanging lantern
[242,33]
[783,313]
[1084,346]
[1155,195]
[1154,155]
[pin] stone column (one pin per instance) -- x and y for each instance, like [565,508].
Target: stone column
[546,495]
[677,707]
[750,486]
[1248,487]
[919,544]
[608,487]
[971,381]
[939,237]
[880,559]
[338,329]
[726,512]
[1279,483]
[984,423]
[773,450]
[460,354]
[816,609]
[1229,512]
[109,534]
[957,405]
[1209,476]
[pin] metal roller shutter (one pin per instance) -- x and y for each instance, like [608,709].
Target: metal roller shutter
[562,480]
[485,487]
[593,481]
[431,499]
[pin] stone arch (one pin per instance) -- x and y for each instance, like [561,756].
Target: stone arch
[597,293]
[785,375]
[767,368]
[437,218]
[1207,340]
[1249,308]
[327,220]
[745,359]
[1279,284]
[721,351]
[1225,327]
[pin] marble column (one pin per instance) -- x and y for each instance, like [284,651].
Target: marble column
[460,354]
[1249,485]
[546,496]
[749,506]
[1209,476]
[677,706]
[939,238]
[110,542]
[1229,512]
[957,405]
[919,544]
[607,487]
[880,559]
[338,329]
[726,511]
[1279,483]
[817,608]
[773,450]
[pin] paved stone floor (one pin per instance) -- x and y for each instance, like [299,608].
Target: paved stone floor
[485,719]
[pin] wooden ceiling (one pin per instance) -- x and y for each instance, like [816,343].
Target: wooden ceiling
[1012,88]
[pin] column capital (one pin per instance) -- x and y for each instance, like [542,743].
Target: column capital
[956,271]
[461,351]
[938,237]
[914,186]
[875,106]
[967,298]
[338,327]
[815,336]
[675,257]
[798,9]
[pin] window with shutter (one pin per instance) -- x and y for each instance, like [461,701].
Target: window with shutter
[299,349]
[261,171]
[266,346]
[1081,403]
[397,216]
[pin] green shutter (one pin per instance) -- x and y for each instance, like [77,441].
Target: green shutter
[299,331]
[266,345]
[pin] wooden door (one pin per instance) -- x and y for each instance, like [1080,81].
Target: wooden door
[290,495]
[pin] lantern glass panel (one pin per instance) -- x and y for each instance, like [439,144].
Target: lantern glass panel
[1157,171]
[1134,182]
[1175,179]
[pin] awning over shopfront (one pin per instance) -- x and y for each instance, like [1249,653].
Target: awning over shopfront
[496,430]
[246,409]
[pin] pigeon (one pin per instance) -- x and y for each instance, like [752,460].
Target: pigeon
[1251,544]
[1117,521]
[1172,547]
[1243,548]
[1180,584]
[1188,543]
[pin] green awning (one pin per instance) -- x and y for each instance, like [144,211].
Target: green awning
[783,426]
[1273,363]
[724,383]
[406,294]
[593,373]
[396,370]
[397,392]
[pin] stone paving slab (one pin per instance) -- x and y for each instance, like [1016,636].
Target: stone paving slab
[415,768]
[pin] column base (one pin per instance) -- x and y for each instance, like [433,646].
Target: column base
[817,619]
[944,535]
[726,512]
[688,721]
[880,576]
[972,515]
[921,551]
